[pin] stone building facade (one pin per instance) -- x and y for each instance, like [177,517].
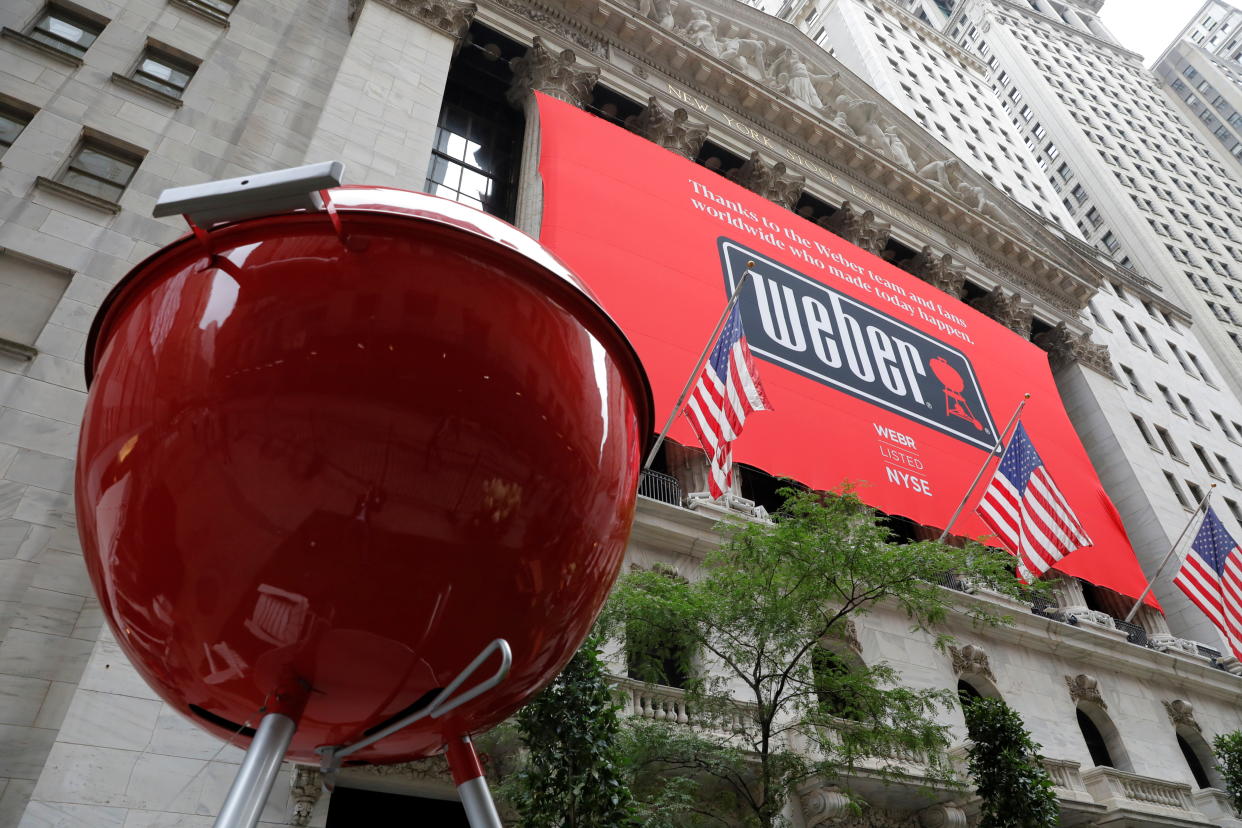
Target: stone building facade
[108,103]
[1201,71]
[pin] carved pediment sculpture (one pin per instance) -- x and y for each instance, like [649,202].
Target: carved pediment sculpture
[861,229]
[794,80]
[1181,714]
[946,174]
[1083,687]
[769,180]
[1065,347]
[1007,309]
[673,131]
[971,660]
[700,32]
[747,56]
[977,201]
[552,72]
[937,271]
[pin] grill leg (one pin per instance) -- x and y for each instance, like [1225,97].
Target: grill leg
[258,771]
[471,786]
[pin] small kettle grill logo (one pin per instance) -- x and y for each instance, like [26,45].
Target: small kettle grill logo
[955,404]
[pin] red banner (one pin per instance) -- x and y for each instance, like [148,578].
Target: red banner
[875,376]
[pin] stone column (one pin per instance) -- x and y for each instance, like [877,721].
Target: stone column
[1097,28]
[1046,7]
[380,116]
[558,75]
[1071,17]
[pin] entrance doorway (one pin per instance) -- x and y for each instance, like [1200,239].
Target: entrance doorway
[358,808]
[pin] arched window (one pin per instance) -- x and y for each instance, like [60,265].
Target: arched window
[1103,741]
[1095,741]
[1199,758]
[967,692]
[1196,767]
[830,672]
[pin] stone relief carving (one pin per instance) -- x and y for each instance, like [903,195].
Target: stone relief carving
[554,73]
[1065,347]
[824,806]
[557,26]
[971,660]
[673,131]
[861,229]
[946,174]
[937,271]
[1083,687]
[449,16]
[660,11]
[946,815]
[977,201]
[306,786]
[1181,713]
[701,33]
[772,181]
[1007,309]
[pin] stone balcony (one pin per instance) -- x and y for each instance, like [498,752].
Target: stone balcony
[1137,801]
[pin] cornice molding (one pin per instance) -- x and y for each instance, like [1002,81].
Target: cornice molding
[452,17]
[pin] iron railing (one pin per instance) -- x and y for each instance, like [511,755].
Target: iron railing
[660,486]
[1134,633]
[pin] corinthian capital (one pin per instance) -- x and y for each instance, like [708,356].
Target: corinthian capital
[553,73]
[673,131]
[449,16]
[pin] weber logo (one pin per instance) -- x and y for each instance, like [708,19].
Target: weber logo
[825,335]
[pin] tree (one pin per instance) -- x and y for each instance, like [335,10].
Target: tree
[1007,769]
[779,697]
[1228,749]
[572,775]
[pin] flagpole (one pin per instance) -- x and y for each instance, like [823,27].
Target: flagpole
[1000,442]
[685,392]
[1202,503]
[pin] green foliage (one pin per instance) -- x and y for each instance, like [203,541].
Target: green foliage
[1228,749]
[1006,766]
[572,775]
[772,708]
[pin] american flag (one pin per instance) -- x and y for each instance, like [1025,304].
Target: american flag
[725,393]
[1027,512]
[1211,576]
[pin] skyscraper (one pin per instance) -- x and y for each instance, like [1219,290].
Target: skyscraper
[1202,71]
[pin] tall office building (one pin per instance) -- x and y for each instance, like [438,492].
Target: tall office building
[1170,420]
[1202,71]
[1142,184]
[108,103]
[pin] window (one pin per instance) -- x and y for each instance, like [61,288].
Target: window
[29,291]
[1167,439]
[1142,427]
[12,122]
[65,31]
[1190,409]
[1199,367]
[1177,491]
[1204,459]
[100,169]
[1228,469]
[478,137]
[1132,379]
[162,72]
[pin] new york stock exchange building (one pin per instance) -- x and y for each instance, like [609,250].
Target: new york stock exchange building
[661,149]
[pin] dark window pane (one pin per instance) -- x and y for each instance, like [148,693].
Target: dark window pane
[64,31]
[11,125]
[94,186]
[91,160]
